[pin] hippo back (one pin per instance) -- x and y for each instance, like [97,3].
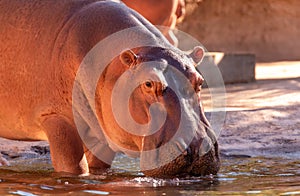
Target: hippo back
[42,46]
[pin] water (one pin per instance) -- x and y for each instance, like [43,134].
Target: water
[238,176]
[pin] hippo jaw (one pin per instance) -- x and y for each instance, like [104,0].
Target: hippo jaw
[188,164]
[198,157]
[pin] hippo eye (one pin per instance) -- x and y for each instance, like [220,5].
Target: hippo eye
[148,84]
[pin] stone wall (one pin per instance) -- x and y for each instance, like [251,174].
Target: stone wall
[268,28]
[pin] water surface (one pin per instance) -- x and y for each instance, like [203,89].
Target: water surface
[238,176]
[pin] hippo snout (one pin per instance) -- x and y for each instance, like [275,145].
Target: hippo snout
[207,164]
[200,158]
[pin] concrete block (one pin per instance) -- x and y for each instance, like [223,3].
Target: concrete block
[234,68]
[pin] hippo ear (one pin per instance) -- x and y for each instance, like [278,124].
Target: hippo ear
[197,54]
[128,57]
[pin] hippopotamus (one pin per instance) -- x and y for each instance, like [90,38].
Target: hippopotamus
[166,13]
[49,54]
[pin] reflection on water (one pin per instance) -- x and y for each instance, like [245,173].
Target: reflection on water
[259,176]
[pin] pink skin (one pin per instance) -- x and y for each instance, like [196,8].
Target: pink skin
[42,46]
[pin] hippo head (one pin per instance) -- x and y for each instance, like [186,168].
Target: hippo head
[148,103]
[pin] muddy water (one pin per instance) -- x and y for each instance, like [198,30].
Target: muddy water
[238,176]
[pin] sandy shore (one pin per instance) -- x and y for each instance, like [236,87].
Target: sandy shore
[262,118]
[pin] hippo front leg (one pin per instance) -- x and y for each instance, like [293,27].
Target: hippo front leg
[97,166]
[67,152]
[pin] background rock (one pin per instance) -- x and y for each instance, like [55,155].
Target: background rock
[268,28]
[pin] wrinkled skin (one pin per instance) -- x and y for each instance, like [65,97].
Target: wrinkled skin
[166,13]
[42,45]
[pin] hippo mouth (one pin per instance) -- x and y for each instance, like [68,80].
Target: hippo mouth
[200,158]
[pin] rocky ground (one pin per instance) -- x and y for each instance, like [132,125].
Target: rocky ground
[262,118]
